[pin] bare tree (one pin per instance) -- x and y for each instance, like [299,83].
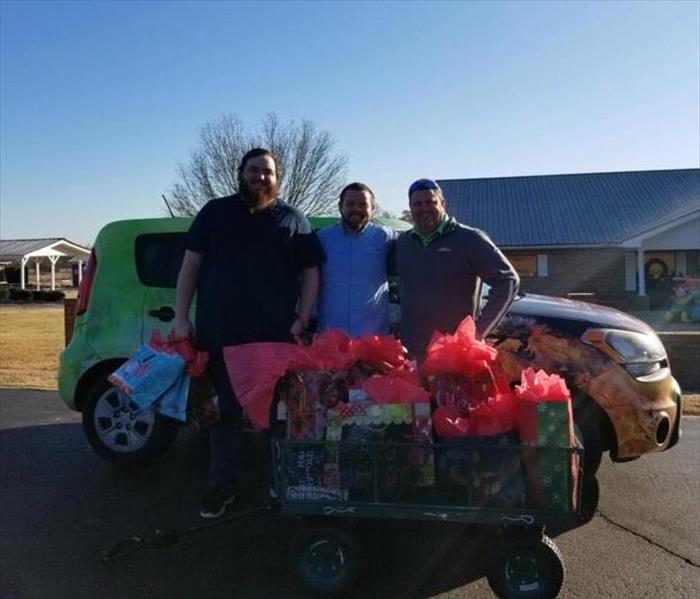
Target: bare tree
[406,215]
[312,172]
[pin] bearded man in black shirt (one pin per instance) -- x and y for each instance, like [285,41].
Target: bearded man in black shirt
[253,261]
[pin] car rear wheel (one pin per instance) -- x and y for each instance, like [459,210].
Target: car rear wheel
[119,431]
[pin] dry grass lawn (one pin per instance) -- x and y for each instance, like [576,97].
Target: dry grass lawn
[31,337]
[691,405]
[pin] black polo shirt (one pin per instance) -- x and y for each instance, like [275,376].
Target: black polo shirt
[249,283]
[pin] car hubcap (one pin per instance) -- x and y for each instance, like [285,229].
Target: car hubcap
[120,424]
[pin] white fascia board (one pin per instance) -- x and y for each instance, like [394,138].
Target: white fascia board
[59,248]
[637,240]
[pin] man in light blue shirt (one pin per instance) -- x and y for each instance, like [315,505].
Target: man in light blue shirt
[354,292]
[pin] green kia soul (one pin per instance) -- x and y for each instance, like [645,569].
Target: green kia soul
[625,399]
[128,290]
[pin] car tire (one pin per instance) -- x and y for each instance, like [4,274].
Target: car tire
[121,433]
[589,426]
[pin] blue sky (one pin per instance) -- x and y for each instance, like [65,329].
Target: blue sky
[99,101]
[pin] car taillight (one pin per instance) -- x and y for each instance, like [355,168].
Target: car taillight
[86,284]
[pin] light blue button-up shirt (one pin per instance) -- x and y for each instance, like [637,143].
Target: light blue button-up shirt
[354,292]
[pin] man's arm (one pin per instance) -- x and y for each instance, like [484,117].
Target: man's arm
[186,285]
[495,269]
[310,282]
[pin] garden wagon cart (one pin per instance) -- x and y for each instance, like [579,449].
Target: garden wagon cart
[328,483]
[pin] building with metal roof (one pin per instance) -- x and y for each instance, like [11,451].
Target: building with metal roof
[18,252]
[589,232]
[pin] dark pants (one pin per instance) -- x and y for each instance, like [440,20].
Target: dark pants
[225,435]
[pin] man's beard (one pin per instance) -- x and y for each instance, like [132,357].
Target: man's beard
[256,199]
[353,226]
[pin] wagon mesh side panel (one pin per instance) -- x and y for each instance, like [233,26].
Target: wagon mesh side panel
[464,476]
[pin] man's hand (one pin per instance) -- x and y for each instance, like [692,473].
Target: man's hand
[298,327]
[182,329]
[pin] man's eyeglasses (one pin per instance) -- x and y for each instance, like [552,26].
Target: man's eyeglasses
[423,184]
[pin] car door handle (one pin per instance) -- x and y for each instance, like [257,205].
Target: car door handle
[164,313]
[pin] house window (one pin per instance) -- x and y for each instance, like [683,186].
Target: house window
[530,265]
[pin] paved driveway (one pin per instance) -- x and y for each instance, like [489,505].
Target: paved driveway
[62,506]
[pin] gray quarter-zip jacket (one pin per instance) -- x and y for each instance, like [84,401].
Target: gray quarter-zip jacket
[440,284]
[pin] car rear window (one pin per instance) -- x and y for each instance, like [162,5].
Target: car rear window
[158,258]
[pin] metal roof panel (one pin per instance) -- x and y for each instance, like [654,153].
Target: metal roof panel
[575,209]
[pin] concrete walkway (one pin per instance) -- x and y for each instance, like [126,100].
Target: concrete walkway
[655,318]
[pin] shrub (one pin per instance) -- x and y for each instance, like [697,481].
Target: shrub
[4,293]
[20,295]
[54,296]
[38,295]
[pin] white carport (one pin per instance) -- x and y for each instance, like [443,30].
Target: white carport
[23,250]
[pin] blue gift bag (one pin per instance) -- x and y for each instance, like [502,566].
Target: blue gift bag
[173,403]
[149,374]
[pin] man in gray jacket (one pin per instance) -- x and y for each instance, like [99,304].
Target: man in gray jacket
[441,264]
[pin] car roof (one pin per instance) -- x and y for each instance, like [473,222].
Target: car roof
[140,226]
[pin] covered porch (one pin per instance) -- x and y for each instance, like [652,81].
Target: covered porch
[668,250]
[25,253]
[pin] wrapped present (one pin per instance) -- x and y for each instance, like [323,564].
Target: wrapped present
[308,475]
[545,420]
[458,353]
[544,415]
[422,458]
[398,386]
[401,469]
[461,391]
[361,372]
[381,352]
[490,417]
[255,369]
[307,394]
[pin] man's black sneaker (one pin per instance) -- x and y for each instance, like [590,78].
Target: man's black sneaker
[215,502]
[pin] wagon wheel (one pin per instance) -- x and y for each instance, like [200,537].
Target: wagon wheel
[526,568]
[326,559]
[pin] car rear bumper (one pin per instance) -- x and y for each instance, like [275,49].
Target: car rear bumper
[74,360]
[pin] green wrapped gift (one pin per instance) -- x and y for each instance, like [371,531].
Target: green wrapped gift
[551,469]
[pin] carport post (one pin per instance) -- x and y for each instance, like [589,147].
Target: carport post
[23,265]
[53,259]
[38,273]
[640,272]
